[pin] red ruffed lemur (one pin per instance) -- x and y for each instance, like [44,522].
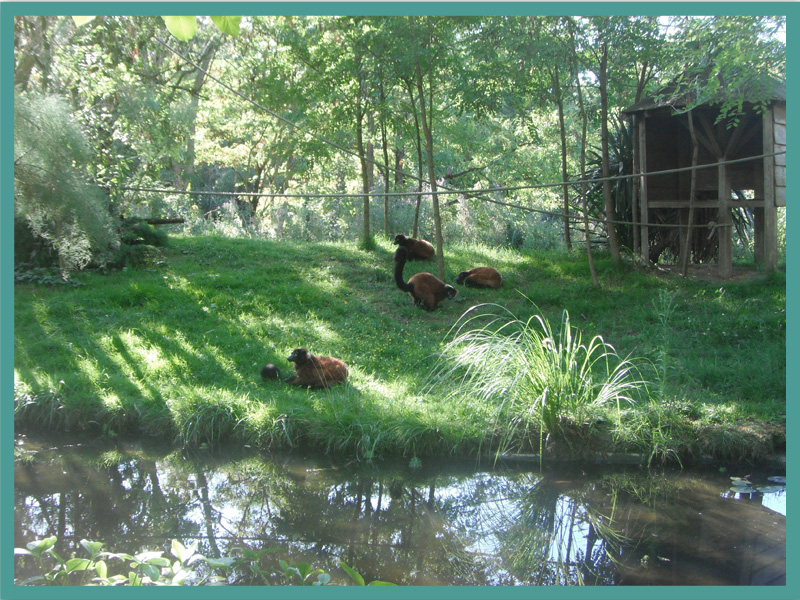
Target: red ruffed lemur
[316,372]
[426,290]
[480,277]
[417,249]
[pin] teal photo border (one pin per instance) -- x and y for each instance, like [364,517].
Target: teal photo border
[8,10]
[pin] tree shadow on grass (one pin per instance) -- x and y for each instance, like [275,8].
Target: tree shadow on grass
[177,352]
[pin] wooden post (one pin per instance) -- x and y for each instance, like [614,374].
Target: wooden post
[724,221]
[637,239]
[767,190]
[686,239]
[683,239]
[766,221]
[645,234]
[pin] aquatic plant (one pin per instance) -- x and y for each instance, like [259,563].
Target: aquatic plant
[153,568]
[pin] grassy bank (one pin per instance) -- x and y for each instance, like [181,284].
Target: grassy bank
[174,350]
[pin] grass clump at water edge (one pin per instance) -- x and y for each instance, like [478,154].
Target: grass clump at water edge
[544,389]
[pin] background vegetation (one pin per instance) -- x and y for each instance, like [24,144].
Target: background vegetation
[275,126]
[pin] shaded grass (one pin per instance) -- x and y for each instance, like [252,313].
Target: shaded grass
[174,351]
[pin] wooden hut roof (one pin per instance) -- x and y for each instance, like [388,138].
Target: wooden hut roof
[677,96]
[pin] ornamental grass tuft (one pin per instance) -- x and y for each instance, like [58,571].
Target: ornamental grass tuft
[537,384]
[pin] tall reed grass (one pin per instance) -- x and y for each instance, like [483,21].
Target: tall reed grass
[539,385]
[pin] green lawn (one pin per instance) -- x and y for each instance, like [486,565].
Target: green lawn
[175,350]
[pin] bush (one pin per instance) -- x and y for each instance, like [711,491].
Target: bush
[136,231]
[30,249]
[140,245]
[51,191]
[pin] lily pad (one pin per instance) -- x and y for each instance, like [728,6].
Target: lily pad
[776,479]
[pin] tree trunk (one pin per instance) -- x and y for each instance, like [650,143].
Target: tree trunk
[256,188]
[584,185]
[364,169]
[399,175]
[641,82]
[564,174]
[370,149]
[205,63]
[385,144]
[182,170]
[427,126]
[420,166]
[608,200]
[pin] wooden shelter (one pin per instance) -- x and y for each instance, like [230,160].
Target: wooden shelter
[747,168]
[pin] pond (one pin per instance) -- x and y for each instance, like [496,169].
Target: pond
[433,522]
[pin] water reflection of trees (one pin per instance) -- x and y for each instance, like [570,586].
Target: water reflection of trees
[395,524]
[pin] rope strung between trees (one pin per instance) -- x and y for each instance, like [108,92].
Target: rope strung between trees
[477,193]
[572,182]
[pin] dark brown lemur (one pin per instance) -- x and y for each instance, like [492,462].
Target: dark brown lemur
[417,249]
[316,372]
[480,277]
[426,290]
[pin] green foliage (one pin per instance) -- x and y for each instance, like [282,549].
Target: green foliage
[229,25]
[182,28]
[51,191]
[152,568]
[358,578]
[29,249]
[185,27]
[80,21]
[303,574]
[136,231]
[43,276]
[533,379]
[141,245]
[154,121]
[729,60]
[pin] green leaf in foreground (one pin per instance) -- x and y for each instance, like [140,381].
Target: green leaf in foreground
[182,28]
[229,25]
[358,579]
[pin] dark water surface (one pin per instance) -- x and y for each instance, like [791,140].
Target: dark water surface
[434,523]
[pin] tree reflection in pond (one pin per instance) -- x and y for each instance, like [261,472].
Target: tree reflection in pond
[448,525]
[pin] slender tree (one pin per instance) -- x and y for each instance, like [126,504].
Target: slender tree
[601,71]
[576,73]
[426,116]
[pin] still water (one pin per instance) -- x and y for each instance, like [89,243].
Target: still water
[434,523]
